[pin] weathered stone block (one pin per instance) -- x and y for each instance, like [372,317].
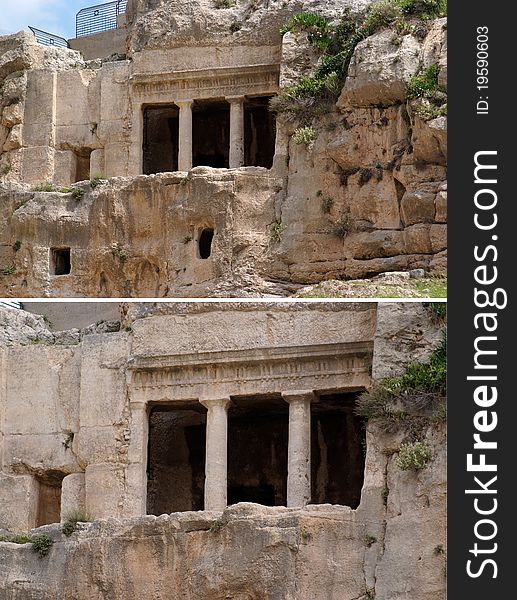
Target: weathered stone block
[417,207]
[73,495]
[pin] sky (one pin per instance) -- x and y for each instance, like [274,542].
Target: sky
[53,16]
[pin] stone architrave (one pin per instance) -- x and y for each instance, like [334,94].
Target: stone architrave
[299,450]
[216,466]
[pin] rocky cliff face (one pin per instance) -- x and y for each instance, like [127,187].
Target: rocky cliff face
[391,547]
[357,189]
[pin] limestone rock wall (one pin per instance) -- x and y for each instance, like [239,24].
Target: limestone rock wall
[368,195]
[392,546]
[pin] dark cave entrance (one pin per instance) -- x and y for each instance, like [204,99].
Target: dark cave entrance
[161,139]
[176,459]
[259,133]
[211,134]
[82,165]
[338,441]
[60,261]
[206,238]
[257,450]
[49,498]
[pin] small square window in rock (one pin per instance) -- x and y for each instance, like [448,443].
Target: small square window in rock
[206,237]
[60,261]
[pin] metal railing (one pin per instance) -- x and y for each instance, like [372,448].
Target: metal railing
[49,39]
[10,304]
[101,17]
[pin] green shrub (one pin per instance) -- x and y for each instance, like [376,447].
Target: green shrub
[96,180]
[304,135]
[78,193]
[17,245]
[41,544]
[319,33]
[276,230]
[343,226]
[45,187]
[19,539]
[422,387]
[216,525]
[327,202]
[370,540]
[425,84]
[118,252]
[381,14]
[413,456]
[70,525]
[224,3]
[426,9]
[9,270]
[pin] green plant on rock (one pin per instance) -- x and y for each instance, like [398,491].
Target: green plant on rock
[413,456]
[343,226]
[9,270]
[370,540]
[18,539]
[45,187]
[67,443]
[41,544]
[304,135]
[17,245]
[216,525]
[319,32]
[425,84]
[327,202]
[96,180]
[70,525]
[275,231]
[118,252]
[224,3]
[6,169]
[78,193]
[413,401]
[426,9]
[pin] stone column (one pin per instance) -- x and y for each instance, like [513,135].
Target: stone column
[299,451]
[185,136]
[236,131]
[216,467]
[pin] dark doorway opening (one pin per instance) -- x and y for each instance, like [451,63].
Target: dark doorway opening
[60,263]
[259,133]
[176,459]
[49,498]
[161,139]
[257,450]
[205,243]
[82,165]
[211,134]
[337,451]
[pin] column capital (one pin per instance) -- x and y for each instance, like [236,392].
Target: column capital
[215,403]
[299,396]
[235,98]
[185,103]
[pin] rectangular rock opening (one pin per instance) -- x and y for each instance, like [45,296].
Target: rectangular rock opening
[82,165]
[259,133]
[60,263]
[338,439]
[257,450]
[161,139]
[176,459]
[49,498]
[211,134]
